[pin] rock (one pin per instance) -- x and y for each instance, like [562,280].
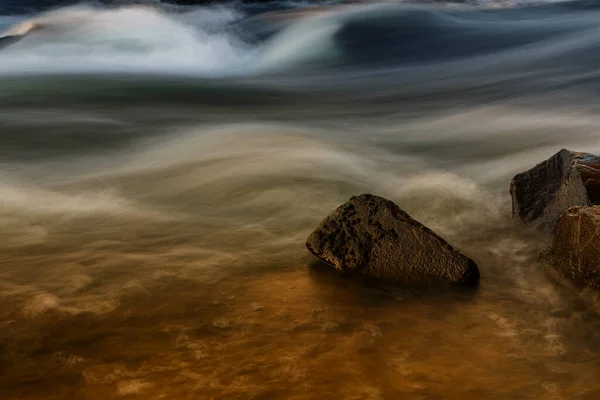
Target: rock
[373,236]
[575,248]
[566,179]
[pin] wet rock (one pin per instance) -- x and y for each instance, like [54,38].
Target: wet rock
[566,179]
[575,248]
[373,236]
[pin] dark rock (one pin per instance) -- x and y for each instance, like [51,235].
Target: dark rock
[374,237]
[575,248]
[547,190]
[589,169]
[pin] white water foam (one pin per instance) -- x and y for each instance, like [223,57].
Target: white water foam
[303,42]
[142,39]
[134,39]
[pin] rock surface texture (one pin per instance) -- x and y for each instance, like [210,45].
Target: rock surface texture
[566,179]
[575,249]
[373,236]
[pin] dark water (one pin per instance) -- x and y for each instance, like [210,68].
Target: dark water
[161,167]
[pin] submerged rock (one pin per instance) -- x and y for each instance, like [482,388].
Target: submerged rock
[566,179]
[575,248]
[373,236]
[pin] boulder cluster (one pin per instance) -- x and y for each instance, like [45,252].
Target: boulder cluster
[562,195]
[372,236]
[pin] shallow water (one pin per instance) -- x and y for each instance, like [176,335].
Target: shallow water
[162,167]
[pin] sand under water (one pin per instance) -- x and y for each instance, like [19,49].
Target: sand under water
[162,166]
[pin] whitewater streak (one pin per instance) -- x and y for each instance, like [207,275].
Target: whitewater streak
[144,39]
[233,40]
[128,39]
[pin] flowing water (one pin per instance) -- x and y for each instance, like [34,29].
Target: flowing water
[162,166]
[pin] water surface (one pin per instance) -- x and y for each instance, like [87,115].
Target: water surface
[162,167]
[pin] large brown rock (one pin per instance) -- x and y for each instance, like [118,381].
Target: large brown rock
[566,179]
[373,236]
[575,248]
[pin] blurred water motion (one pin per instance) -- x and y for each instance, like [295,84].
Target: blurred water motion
[163,165]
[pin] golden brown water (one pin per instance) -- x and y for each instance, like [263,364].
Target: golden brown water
[161,168]
[150,318]
[177,270]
